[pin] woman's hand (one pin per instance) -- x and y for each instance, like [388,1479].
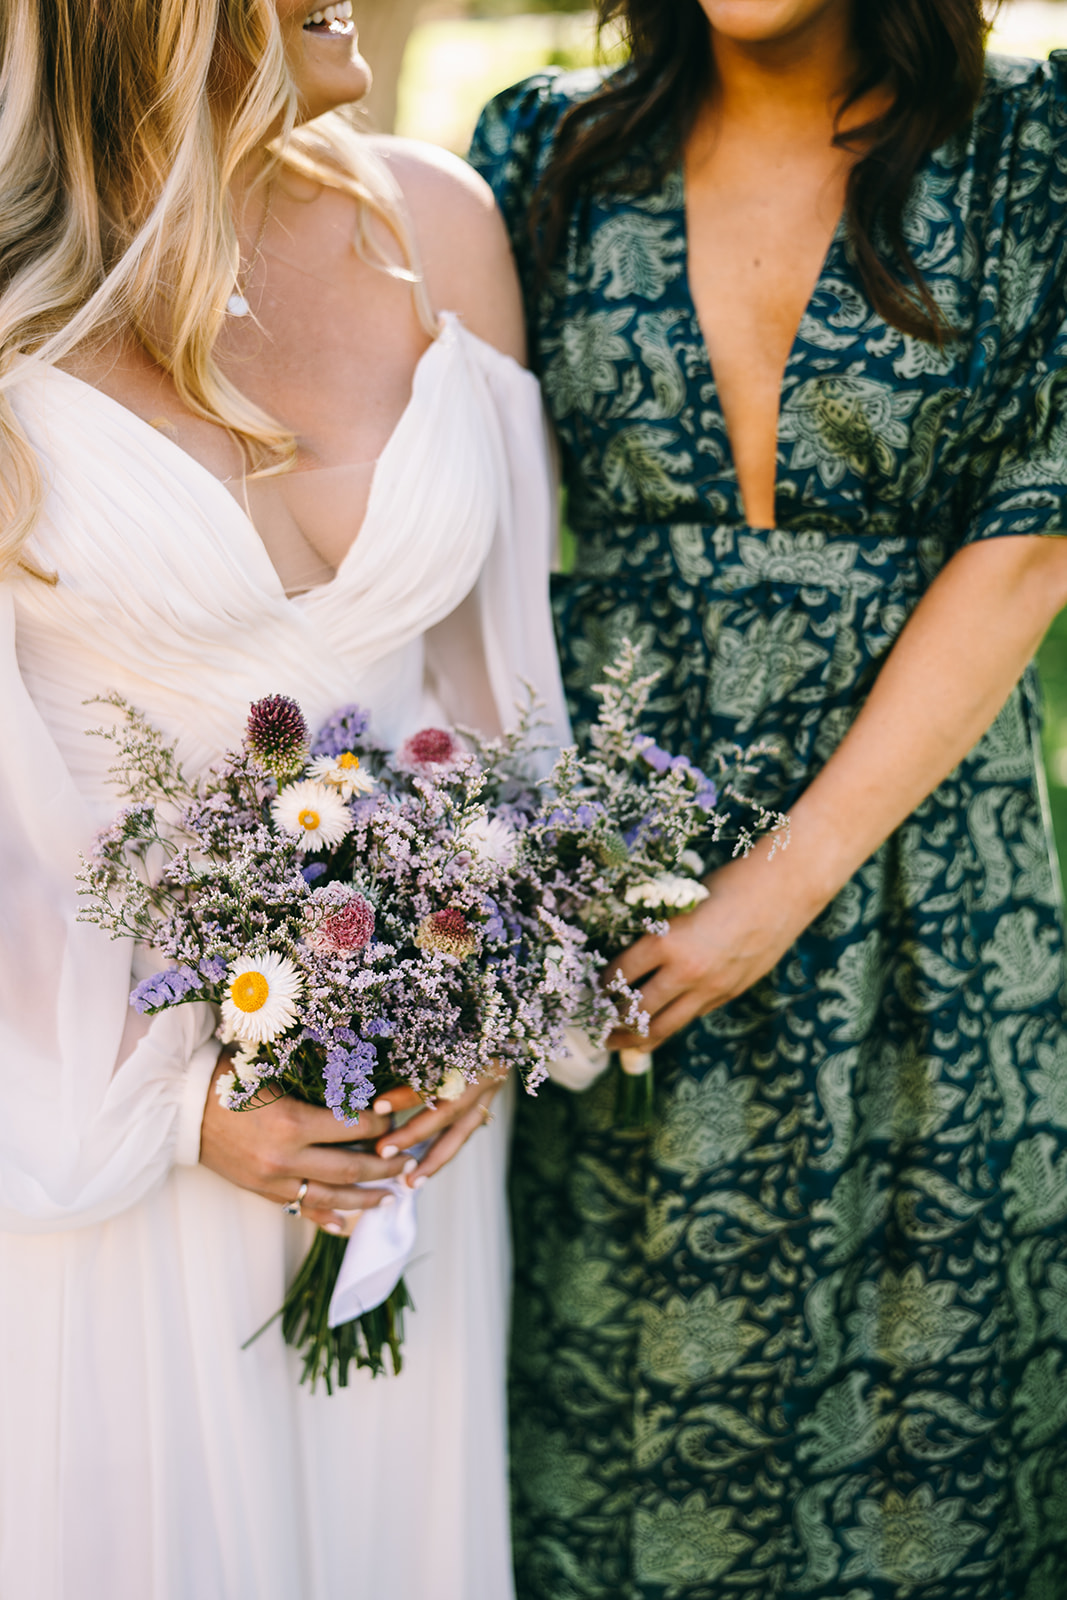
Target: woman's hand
[958,658]
[754,912]
[449,1124]
[273,1149]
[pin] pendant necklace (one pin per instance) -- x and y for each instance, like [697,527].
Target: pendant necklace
[237,305]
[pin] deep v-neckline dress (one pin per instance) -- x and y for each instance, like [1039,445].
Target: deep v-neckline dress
[807,1339]
[143,1454]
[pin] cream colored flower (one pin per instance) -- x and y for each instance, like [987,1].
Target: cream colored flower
[452,1085]
[689,861]
[490,839]
[343,772]
[261,996]
[314,812]
[225,1084]
[667,891]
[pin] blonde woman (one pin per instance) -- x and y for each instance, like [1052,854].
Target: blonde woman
[244,448]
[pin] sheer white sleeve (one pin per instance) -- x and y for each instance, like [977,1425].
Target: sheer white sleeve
[501,637]
[81,1137]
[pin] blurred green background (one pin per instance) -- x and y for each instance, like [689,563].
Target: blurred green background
[436,64]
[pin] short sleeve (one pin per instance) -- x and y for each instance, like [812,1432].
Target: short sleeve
[513,142]
[1018,450]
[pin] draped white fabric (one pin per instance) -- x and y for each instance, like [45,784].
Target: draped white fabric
[143,1456]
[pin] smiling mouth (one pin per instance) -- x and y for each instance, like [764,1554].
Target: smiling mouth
[334,20]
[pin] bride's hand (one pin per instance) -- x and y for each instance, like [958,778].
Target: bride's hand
[274,1148]
[449,1124]
[756,909]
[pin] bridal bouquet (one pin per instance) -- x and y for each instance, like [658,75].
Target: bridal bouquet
[364,919]
[625,834]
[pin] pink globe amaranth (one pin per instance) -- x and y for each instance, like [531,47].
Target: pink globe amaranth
[430,747]
[447,932]
[349,928]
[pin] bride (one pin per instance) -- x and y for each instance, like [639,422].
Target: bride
[263,429]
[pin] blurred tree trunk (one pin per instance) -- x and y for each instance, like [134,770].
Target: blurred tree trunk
[384,26]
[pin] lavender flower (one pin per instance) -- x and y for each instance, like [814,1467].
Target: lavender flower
[164,989]
[342,732]
[348,1080]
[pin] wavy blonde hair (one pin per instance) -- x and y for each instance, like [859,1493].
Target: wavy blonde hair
[122,124]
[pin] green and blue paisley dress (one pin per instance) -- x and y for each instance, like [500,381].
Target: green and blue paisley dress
[807,1337]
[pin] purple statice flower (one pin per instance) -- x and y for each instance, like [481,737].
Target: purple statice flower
[341,732]
[706,796]
[494,927]
[164,989]
[349,1084]
[315,870]
[277,735]
[380,1028]
[214,968]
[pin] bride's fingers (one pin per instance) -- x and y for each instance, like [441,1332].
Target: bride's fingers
[429,1123]
[326,1199]
[452,1141]
[395,1100]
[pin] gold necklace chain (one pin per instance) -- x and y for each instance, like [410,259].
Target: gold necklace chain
[237,305]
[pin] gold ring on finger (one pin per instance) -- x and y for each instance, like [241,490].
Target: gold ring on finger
[293,1207]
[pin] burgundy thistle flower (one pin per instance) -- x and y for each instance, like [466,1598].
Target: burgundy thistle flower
[430,747]
[277,735]
[348,928]
[448,933]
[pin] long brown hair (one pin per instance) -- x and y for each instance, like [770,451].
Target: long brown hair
[929,53]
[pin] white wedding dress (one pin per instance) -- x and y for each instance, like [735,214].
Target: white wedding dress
[143,1455]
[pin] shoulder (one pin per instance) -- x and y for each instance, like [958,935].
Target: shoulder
[1025,101]
[517,129]
[461,241]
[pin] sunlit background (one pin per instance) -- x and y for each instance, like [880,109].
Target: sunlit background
[436,64]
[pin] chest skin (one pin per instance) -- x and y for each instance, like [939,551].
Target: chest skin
[761,212]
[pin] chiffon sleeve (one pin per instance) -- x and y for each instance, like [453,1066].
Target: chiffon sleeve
[483,655]
[82,1136]
[501,639]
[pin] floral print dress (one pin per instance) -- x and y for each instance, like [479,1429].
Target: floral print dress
[807,1337]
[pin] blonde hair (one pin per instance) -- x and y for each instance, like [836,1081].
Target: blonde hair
[122,125]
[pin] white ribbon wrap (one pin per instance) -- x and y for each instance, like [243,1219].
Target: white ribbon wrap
[378,1251]
[581,1066]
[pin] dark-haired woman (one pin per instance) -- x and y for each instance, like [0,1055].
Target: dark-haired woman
[808,1336]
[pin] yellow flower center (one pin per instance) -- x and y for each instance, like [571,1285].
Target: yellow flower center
[347,758]
[309,819]
[250,991]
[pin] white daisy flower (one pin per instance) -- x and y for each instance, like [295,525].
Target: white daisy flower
[490,839]
[261,995]
[315,812]
[667,891]
[343,772]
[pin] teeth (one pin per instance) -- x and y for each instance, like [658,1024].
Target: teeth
[340,12]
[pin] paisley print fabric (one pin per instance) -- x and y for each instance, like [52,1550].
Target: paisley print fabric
[807,1337]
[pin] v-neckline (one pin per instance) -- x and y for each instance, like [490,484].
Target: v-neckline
[700,343]
[449,325]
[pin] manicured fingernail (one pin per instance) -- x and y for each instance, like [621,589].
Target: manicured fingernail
[417,1183]
[383,1107]
[389,1200]
[333,1227]
[390,1151]
[409,1165]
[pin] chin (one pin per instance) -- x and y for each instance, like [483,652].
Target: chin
[324,59]
[763,21]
